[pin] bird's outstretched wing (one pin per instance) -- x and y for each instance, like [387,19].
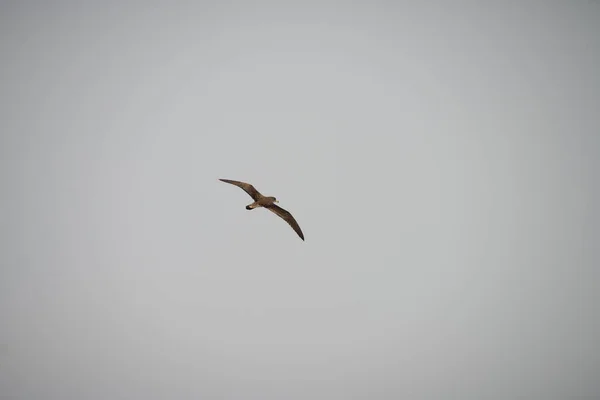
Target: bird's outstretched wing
[287,217]
[248,188]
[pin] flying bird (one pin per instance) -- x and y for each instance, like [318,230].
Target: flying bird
[268,203]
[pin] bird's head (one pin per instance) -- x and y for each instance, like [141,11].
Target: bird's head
[274,200]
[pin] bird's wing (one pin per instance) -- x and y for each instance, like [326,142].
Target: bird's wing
[287,217]
[248,188]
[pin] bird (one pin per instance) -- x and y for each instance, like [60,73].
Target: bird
[267,202]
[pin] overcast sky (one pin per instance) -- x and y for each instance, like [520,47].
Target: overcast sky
[442,161]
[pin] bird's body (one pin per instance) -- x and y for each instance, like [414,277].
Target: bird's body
[263,201]
[267,202]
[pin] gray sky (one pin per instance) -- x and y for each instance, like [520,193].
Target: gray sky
[442,161]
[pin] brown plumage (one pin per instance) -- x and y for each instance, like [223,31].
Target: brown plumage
[266,202]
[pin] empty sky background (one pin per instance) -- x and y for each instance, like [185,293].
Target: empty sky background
[442,160]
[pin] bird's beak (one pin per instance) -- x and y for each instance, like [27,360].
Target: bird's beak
[276,201]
